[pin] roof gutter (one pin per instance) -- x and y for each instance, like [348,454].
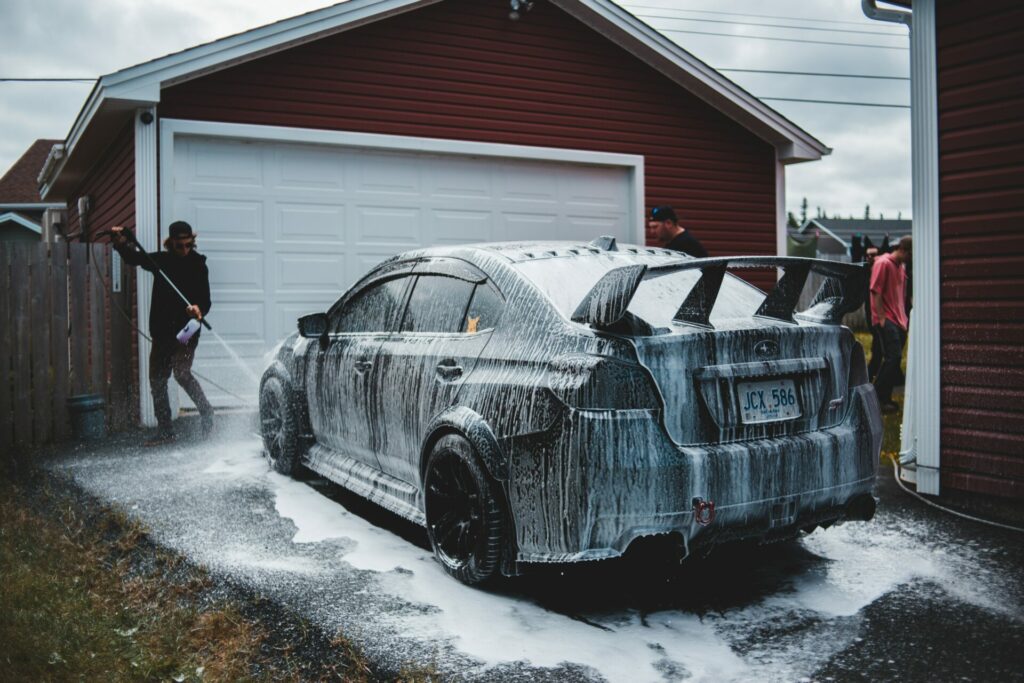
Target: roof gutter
[896,16]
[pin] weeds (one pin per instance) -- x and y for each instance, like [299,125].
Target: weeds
[89,597]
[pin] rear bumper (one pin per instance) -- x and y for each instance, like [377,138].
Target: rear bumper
[596,481]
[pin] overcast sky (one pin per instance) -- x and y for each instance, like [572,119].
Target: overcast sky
[870,163]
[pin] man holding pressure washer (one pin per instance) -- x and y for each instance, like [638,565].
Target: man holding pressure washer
[181,297]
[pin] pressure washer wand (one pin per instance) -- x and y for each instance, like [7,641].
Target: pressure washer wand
[133,238]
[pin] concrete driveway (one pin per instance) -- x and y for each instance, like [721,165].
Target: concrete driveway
[913,594]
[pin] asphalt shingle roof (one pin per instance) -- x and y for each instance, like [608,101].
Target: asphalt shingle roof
[19,186]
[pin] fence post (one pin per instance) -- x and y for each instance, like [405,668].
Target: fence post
[39,289]
[6,350]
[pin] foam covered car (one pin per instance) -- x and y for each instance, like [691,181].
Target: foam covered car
[555,402]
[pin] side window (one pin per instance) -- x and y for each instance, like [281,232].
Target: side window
[484,310]
[373,309]
[437,304]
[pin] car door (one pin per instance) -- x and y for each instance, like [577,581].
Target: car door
[422,366]
[340,395]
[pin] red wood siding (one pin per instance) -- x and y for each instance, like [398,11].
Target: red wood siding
[110,185]
[462,70]
[981,189]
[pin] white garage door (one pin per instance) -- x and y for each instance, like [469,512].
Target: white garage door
[288,227]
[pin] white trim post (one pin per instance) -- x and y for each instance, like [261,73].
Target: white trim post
[146,227]
[925,338]
[780,206]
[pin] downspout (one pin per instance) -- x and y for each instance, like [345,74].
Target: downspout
[920,448]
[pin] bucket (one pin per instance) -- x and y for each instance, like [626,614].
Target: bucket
[88,418]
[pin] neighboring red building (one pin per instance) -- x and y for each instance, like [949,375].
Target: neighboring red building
[305,151]
[21,209]
[967,374]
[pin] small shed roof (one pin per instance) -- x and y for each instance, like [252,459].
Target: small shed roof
[116,96]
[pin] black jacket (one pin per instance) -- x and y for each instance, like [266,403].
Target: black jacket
[189,273]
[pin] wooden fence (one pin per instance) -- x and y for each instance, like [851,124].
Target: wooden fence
[60,336]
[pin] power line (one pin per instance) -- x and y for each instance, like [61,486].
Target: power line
[758,16]
[816,73]
[47,80]
[783,40]
[747,23]
[848,104]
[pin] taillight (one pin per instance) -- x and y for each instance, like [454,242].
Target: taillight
[592,382]
[858,367]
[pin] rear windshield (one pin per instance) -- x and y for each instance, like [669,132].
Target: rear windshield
[566,281]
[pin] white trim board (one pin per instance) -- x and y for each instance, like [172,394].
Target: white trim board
[22,221]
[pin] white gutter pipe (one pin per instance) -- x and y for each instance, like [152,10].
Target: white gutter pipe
[922,425]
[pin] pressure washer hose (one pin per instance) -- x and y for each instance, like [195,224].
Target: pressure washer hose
[896,476]
[145,336]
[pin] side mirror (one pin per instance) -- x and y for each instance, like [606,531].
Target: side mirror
[313,326]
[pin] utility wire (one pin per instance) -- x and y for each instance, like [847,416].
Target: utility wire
[782,40]
[816,73]
[745,23]
[849,104]
[758,16]
[47,80]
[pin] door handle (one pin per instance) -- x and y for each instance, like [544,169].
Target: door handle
[363,365]
[449,370]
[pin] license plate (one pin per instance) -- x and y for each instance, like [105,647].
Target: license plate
[770,401]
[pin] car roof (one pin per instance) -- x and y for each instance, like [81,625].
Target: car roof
[519,252]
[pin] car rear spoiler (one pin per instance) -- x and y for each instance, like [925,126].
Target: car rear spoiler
[841,291]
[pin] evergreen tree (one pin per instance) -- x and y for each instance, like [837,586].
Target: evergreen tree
[867,211]
[803,211]
[791,221]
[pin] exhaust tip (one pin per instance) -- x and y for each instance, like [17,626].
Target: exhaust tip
[861,507]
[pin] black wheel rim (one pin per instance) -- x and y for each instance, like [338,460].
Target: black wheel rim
[272,419]
[455,509]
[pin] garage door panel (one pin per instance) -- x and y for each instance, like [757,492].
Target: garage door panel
[321,224]
[392,174]
[529,226]
[459,179]
[377,224]
[309,169]
[287,228]
[224,164]
[447,226]
[236,271]
[303,272]
[229,219]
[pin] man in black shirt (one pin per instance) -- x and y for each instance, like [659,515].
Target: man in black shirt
[168,314]
[665,225]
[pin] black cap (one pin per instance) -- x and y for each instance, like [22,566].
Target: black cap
[180,229]
[663,213]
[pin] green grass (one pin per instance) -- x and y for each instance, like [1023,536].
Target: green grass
[892,422]
[81,600]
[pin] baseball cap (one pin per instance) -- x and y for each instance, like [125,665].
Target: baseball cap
[663,213]
[179,229]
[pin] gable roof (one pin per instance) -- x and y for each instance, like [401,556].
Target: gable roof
[15,217]
[116,96]
[843,229]
[18,185]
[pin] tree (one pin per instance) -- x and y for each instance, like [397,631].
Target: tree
[791,221]
[867,211]
[803,211]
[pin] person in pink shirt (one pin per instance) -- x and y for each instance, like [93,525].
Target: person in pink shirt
[889,317]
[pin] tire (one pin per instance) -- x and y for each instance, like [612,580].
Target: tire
[279,426]
[465,521]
